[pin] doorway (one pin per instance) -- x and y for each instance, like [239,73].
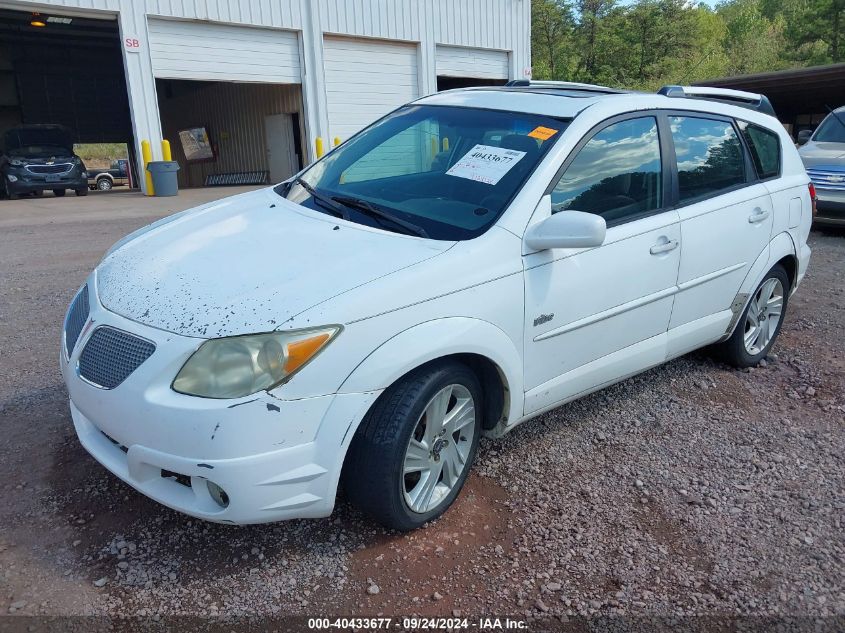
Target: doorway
[279,136]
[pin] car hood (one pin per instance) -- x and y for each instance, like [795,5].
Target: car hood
[247,264]
[813,153]
[23,136]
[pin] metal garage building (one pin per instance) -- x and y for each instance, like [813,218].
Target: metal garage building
[266,78]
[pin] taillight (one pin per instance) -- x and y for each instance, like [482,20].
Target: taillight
[813,198]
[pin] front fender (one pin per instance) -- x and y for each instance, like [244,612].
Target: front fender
[435,339]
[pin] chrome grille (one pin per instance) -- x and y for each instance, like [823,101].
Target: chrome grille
[828,177]
[58,168]
[110,355]
[77,315]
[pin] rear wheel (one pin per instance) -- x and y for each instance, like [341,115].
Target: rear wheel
[412,454]
[81,192]
[59,192]
[104,184]
[760,324]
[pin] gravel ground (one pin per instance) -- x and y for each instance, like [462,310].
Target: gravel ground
[690,490]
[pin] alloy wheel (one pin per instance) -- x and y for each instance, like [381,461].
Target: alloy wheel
[764,315]
[439,448]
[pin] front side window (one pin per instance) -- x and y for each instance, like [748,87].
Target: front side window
[765,149]
[709,155]
[444,172]
[616,175]
[832,129]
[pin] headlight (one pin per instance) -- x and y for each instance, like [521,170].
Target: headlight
[237,366]
[12,178]
[16,163]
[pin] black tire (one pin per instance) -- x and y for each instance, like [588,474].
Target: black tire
[6,192]
[59,192]
[373,471]
[734,351]
[104,184]
[81,192]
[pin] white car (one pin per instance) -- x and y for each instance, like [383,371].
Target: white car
[466,263]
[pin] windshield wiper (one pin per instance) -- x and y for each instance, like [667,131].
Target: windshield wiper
[369,209]
[326,202]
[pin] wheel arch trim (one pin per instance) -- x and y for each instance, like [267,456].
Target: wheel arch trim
[454,336]
[782,245]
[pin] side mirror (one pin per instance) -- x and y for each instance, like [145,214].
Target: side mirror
[567,229]
[804,136]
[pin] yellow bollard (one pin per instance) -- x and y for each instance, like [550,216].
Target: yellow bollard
[146,157]
[319,147]
[165,150]
[445,143]
[434,145]
[336,141]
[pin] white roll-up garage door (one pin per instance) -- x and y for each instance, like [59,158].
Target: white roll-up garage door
[366,79]
[456,61]
[219,52]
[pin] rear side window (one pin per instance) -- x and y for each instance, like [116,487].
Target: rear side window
[709,155]
[616,175]
[765,149]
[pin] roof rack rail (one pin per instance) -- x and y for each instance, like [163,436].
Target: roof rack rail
[749,100]
[561,85]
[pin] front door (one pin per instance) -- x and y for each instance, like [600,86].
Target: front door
[595,315]
[281,155]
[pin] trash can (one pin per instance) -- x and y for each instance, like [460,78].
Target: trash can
[163,172]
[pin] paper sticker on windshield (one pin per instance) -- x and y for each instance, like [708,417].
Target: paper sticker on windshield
[542,133]
[485,163]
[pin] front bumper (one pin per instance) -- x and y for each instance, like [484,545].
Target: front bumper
[830,204]
[275,459]
[29,183]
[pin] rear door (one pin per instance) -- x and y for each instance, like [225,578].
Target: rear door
[726,222]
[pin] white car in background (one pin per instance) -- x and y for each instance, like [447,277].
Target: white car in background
[464,264]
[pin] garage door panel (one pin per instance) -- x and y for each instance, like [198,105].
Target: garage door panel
[366,79]
[231,55]
[202,50]
[456,61]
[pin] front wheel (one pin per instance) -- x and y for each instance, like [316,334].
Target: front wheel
[413,451]
[760,323]
[104,184]
[81,192]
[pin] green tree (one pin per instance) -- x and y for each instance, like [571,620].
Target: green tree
[551,34]
[816,30]
[753,42]
[592,14]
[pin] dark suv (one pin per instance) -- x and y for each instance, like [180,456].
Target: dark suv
[40,157]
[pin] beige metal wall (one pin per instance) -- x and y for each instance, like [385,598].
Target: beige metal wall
[234,115]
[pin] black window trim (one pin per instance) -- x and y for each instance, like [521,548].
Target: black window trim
[664,143]
[749,149]
[750,171]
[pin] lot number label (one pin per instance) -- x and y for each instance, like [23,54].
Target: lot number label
[485,163]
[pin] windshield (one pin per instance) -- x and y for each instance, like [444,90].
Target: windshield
[437,171]
[832,129]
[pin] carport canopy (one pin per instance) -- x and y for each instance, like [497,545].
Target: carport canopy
[793,92]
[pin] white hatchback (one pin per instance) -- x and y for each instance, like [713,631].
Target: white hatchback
[466,263]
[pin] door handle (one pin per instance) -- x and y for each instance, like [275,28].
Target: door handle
[758,216]
[663,247]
